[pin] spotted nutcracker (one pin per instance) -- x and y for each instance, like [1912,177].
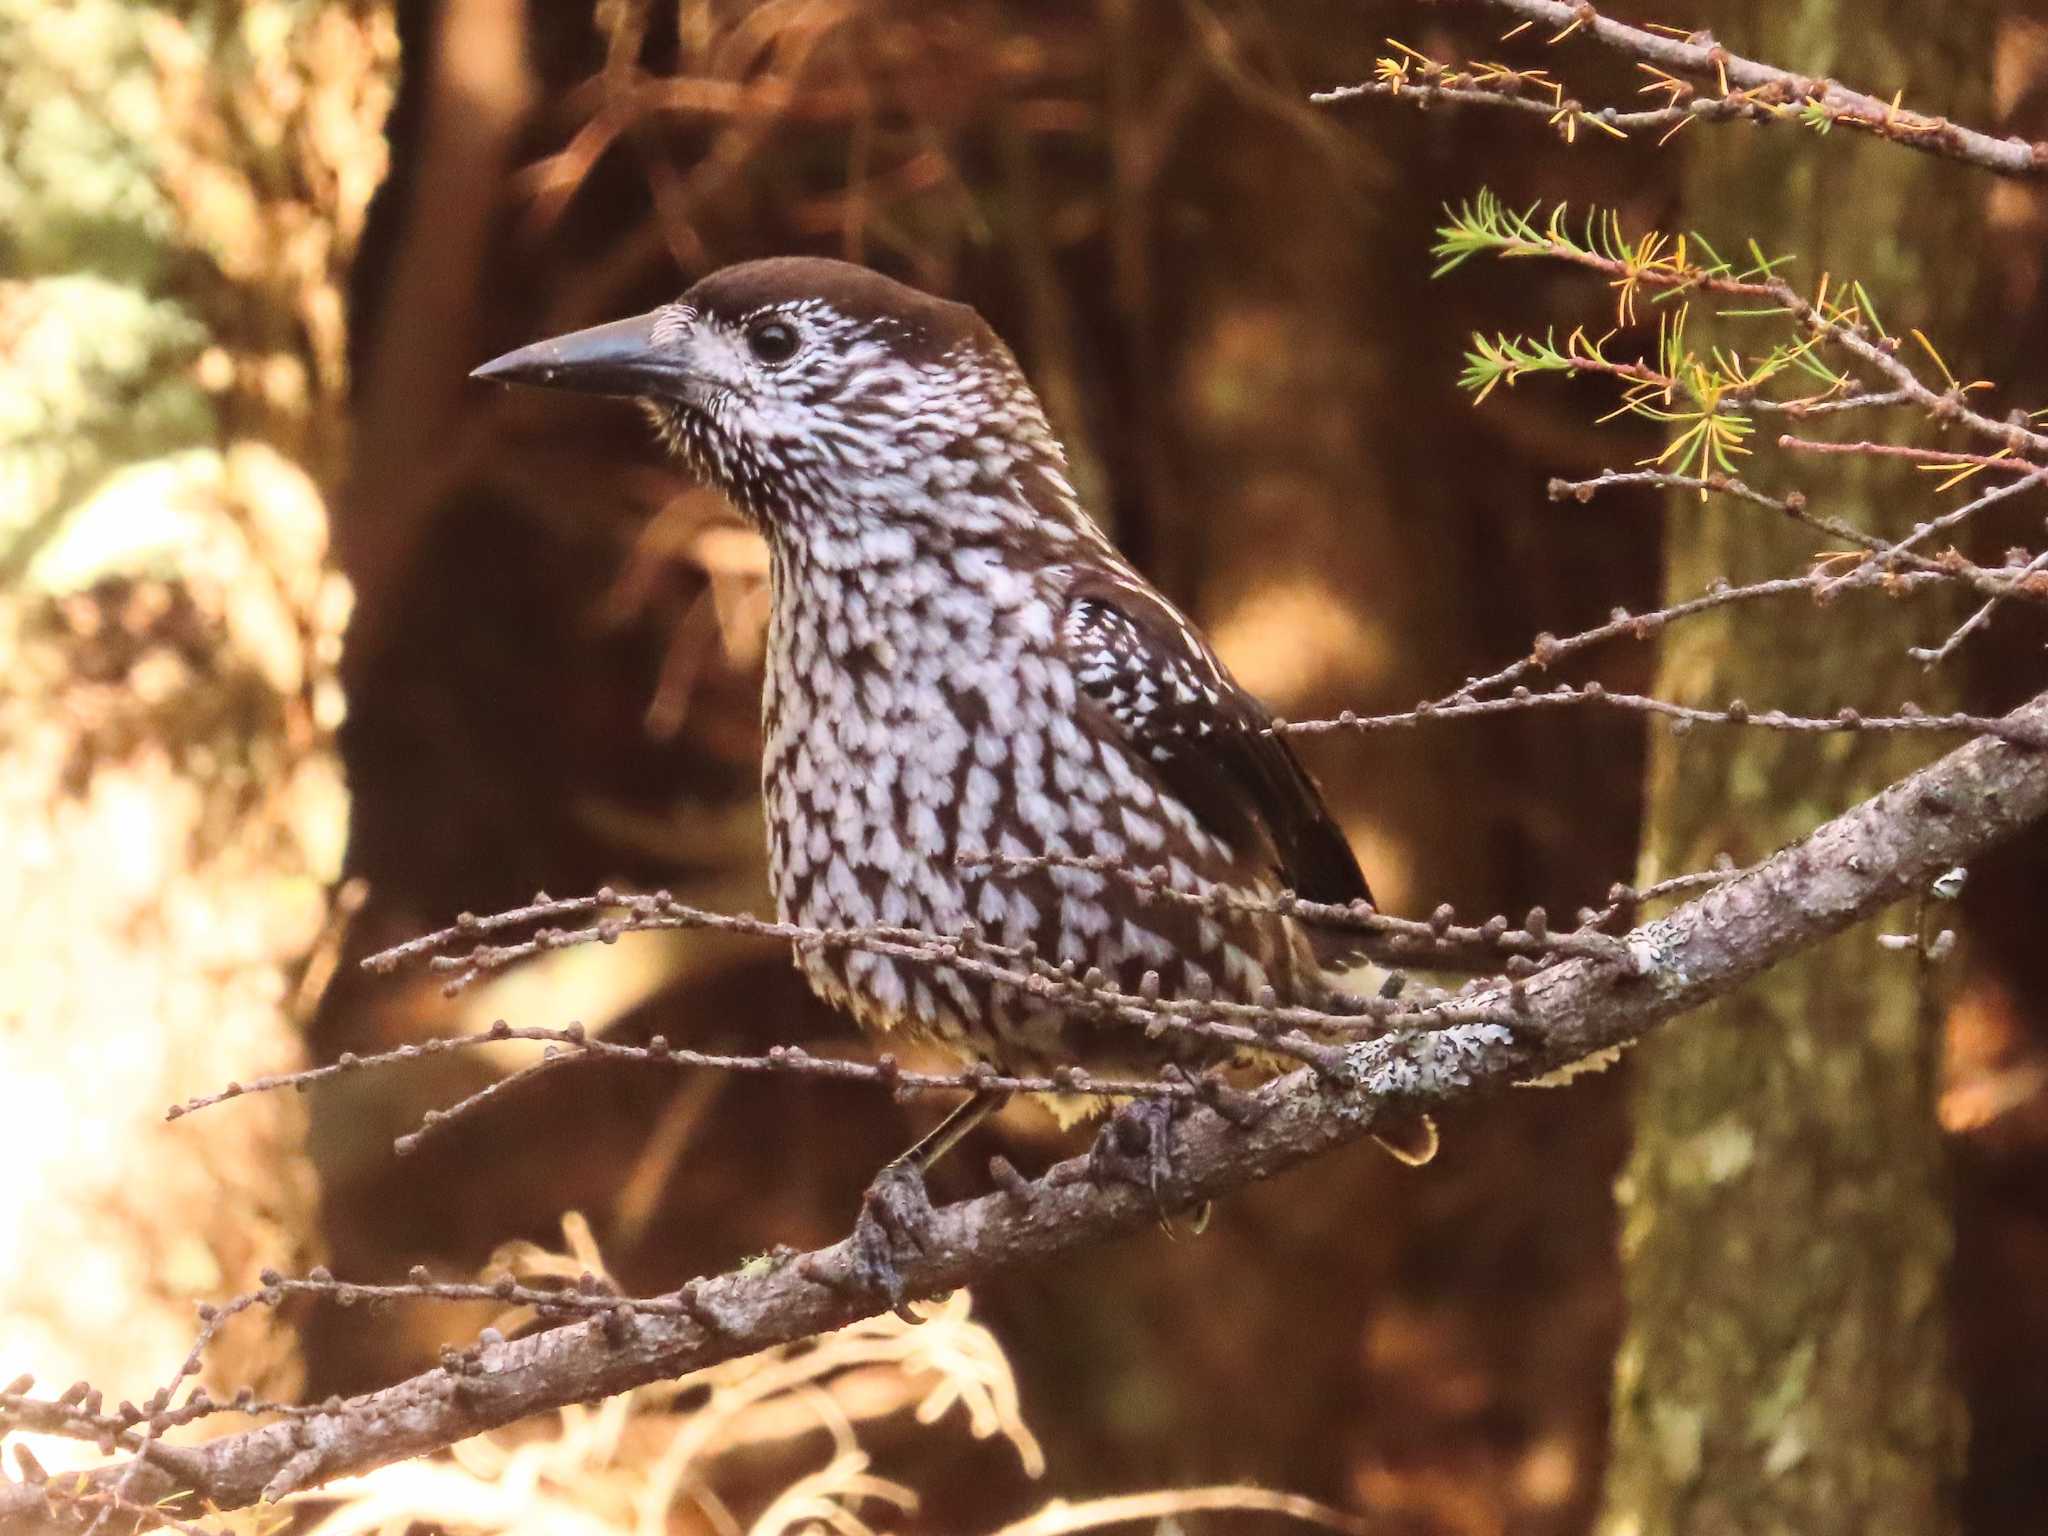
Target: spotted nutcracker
[959,663]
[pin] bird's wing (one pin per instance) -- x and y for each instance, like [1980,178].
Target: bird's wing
[1149,678]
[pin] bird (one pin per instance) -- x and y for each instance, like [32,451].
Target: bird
[972,700]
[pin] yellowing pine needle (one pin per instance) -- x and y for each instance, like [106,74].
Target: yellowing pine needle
[1665,82]
[1928,346]
[1963,471]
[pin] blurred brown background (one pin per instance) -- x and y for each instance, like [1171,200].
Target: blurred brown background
[1223,294]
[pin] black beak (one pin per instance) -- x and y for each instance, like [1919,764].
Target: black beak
[619,358]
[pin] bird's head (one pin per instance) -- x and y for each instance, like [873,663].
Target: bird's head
[826,400]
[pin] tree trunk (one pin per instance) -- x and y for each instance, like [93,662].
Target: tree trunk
[180,187]
[1786,1234]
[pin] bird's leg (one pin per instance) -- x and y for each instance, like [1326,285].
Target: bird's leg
[951,1131]
[896,1211]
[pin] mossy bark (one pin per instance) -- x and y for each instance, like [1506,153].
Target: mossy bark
[180,187]
[1786,1234]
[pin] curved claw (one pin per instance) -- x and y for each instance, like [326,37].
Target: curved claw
[1414,1142]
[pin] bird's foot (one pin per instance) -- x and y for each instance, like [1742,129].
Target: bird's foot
[895,1218]
[1136,1147]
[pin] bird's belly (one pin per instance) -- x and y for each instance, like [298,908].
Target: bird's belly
[878,821]
[860,840]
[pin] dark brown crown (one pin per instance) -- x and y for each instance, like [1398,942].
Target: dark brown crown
[925,327]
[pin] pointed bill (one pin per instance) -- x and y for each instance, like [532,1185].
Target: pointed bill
[618,358]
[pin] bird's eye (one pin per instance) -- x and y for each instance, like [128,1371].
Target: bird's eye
[772,341]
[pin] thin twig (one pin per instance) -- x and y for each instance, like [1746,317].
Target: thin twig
[1550,649]
[572,1042]
[2015,585]
[1565,696]
[1977,620]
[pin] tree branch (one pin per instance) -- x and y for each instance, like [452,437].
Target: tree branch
[1746,88]
[1887,848]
